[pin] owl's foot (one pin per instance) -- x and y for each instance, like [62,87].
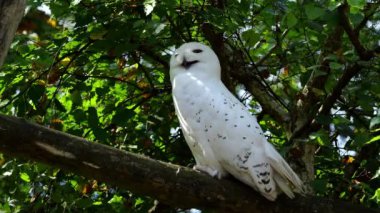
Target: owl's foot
[210,171]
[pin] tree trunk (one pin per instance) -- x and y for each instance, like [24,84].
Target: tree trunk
[171,184]
[11,12]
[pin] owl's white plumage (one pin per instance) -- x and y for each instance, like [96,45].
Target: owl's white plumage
[221,133]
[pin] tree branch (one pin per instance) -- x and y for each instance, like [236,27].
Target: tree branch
[370,9]
[11,13]
[171,184]
[309,99]
[353,35]
[349,73]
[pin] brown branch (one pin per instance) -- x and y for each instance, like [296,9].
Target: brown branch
[171,184]
[309,99]
[11,13]
[349,73]
[332,45]
[369,11]
[353,34]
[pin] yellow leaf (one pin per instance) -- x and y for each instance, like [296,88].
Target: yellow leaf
[348,159]
[52,22]
[65,61]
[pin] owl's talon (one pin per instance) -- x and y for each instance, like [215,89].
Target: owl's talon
[208,170]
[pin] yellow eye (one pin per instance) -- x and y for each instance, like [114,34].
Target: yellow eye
[197,51]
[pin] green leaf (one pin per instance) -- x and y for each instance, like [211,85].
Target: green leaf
[35,93]
[361,138]
[322,137]
[139,201]
[59,106]
[323,119]
[376,196]
[79,115]
[374,139]
[100,134]
[356,5]
[25,177]
[84,203]
[76,98]
[251,37]
[122,116]
[335,65]
[319,185]
[313,12]
[291,20]
[93,119]
[116,199]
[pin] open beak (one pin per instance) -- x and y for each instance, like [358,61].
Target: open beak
[187,64]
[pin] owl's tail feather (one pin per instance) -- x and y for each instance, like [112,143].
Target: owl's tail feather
[283,185]
[287,180]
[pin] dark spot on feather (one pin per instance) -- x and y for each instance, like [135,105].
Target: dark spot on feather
[243,167]
[260,164]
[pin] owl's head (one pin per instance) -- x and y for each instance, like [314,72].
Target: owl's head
[194,58]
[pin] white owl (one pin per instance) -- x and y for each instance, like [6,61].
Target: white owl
[221,133]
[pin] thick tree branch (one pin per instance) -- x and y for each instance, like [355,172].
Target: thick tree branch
[11,13]
[349,73]
[370,9]
[353,35]
[171,184]
[310,98]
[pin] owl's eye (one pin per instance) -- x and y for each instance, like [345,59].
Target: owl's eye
[197,51]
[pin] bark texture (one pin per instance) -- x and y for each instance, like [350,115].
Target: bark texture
[171,184]
[11,12]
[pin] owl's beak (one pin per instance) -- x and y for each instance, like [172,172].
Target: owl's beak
[187,64]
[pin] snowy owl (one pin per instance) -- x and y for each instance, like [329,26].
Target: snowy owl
[223,136]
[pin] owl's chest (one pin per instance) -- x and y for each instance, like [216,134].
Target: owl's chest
[189,91]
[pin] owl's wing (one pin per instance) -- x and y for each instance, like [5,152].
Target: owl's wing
[283,172]
[250,158]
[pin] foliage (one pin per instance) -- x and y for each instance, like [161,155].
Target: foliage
[99,70]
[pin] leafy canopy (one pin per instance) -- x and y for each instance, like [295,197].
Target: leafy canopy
[99,70]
